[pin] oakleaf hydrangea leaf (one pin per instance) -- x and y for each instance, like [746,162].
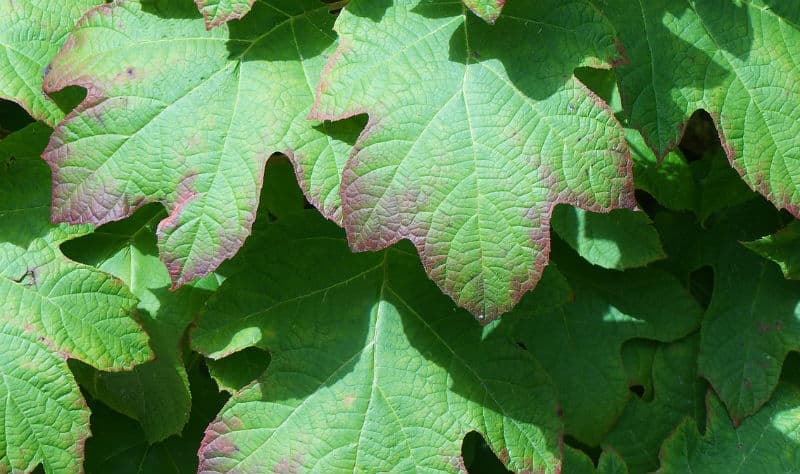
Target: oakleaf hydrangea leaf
[51,309]
[119,445]
[155,393]
[373,369]
[31,33]
[782,248]
[669,179]
[473,138]
[678,393]
[580,343]
[733,59]
[751,325]
[232,373]
[489,10]
[765,443]
[577,462]
[188,117]
[217,12]
[617,240]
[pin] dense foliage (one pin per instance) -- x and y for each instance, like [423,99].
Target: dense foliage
[247,236]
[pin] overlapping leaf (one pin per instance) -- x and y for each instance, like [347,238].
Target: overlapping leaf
[188,117]
[580,344]
[473,136]
[31,33]
[678,393]
[373,369]
[489,10]
[764,443]
[217,12]
[50,309]
[783,248]
[156,393]
[733,59]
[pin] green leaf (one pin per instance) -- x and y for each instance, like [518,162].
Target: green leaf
[51,309]
[728,58]
[156,393]
[751,325]
[222,97]
[232,373]
[618,240]
[678,393]
[489,10]
[577,462]
[373,369]
[580,344]
[718,185]
[31,33]
[669,180]
[764,443]
[782,248]
[470,142]
[217,12]
[119,445]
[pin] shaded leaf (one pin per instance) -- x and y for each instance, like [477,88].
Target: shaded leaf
[119,445]
[155,393]
[669,180]
[233,372]
[618,240]
[51,309]
[764,443]
[580,344]
[678,393]
[783,248]
[31,33]
[577,462]
[222,97]
[372,370]
[728,58]
[470,142]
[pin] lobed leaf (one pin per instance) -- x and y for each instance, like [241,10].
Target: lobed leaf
[765,443]
[489,10]
[472,138]
[729,58]
[372,369]
[51,309]
[31,33]
[189,117]
[580,344]
[155,393]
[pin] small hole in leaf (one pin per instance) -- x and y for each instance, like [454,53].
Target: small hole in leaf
[477,456]
[700,136]
[522,346]
[637,390]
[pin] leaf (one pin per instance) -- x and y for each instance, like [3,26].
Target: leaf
[669,180]
[120,446]
[373,369]
[782,248]
[221,96]
[678,394]
[765,443]
[217,12]
[31,33]
[232,373]
[718,185]
[576,462]
[580,344]
[471,143]
[155,393]
[686,56]
[489,10]
[751,325]
[618,240]
[51,309]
